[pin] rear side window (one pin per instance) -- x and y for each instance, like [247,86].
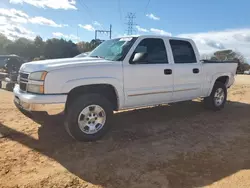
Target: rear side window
[183,51]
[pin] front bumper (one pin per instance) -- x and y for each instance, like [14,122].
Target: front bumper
[52,104]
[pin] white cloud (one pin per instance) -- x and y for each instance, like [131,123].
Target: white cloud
[58,34]
[87,27]
[160,32]
[12,13]
[212,43]
[16,31]
[97,23]
[242,36]
[54,4]
[141,29]
[69,37]
[44,21]
[152,16]
[235,39]
[13,16]
[12,20]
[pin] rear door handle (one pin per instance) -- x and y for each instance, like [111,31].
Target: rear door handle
[196,71]
[167,71]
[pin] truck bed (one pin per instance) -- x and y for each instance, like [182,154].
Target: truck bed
[211,61]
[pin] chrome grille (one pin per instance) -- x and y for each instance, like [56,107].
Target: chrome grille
[23,80]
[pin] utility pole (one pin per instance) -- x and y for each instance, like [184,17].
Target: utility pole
[130,16]
[77,33]
[104,31]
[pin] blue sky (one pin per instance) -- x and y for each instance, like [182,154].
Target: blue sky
[213,24]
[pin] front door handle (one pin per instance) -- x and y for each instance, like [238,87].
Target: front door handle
[167,71]
[196,71]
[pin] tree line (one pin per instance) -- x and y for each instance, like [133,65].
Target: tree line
[229,55]
[39,49]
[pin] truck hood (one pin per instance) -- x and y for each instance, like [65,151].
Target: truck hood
[53,64]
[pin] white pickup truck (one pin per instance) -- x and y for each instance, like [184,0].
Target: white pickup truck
[122,73]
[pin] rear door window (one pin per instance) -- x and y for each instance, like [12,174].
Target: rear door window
[183,51]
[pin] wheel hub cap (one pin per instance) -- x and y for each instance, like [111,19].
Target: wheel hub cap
[91,119]
[219,97]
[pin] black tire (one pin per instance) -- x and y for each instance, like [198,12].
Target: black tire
[10,86]
[210,101]
[74,109]
[0,84]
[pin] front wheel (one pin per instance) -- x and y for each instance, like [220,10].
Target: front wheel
[10,86]
[88,117]
[217,99]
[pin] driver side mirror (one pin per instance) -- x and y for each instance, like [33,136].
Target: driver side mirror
[138,55]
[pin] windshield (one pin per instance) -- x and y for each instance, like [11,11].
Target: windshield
[113,50]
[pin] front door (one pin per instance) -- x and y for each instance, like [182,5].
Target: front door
[148,78]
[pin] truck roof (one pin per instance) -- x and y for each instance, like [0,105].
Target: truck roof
[155,36]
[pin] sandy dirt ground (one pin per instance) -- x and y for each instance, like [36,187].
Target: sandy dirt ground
[175,146]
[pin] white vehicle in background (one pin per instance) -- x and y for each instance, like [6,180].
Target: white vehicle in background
[247,72]
[84,54]
[122,73]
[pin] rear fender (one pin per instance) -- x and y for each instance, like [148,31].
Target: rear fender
[215,77]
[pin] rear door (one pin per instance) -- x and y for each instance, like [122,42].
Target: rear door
[186,69]
[148,78]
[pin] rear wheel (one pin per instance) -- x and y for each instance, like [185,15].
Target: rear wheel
[88,117]
[217,99]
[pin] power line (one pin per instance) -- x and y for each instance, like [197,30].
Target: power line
[89,13]
[130,16]
[83,5]
[146,8]
[120,11]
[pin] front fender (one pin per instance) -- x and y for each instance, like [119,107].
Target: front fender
[117,84]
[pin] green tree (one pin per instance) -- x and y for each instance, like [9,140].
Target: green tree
[39,45]
[60,48]
[22,47]
[38,49]
[88,46]
[230,55]
[4,41]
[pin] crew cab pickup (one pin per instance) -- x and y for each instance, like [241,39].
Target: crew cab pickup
[122,73]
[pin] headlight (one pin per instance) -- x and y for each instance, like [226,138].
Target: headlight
[35,88]
[36,82]
[38,75]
